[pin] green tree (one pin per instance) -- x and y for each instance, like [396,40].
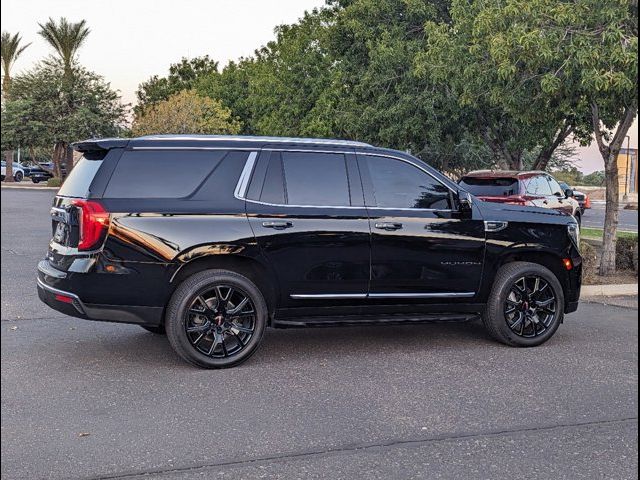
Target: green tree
[11,49]
[595,179]
[66,38]
[485,57]
[37,116]
[182,76]
[232,86]
[185,112]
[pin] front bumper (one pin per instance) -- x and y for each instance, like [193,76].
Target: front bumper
[71,304]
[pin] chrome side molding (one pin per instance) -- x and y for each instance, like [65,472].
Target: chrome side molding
[363,296]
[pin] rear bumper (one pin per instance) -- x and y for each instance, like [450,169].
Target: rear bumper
[71,304]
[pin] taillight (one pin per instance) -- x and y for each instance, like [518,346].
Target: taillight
[94,221]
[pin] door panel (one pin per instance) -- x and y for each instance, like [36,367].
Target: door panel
[314,252]
[320,249]
[429,252]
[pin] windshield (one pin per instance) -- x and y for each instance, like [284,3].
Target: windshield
[490,187]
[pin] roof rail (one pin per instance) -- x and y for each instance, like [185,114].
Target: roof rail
[248,138]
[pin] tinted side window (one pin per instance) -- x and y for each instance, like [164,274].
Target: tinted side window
[161,173]
[397,184]
[537,186]
[273,187]
[315,179]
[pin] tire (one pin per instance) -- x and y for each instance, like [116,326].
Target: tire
[159,330]
[35,180]
[208,322]
[18,176]
[534,328]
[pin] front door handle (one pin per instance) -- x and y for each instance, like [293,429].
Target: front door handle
[279,225]
[389,226]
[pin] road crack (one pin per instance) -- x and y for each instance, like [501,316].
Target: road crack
[357,448]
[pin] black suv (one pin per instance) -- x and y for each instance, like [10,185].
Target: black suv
[212,239]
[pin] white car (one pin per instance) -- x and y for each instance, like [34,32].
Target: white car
[18,171]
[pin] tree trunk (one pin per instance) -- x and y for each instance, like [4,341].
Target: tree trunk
[8,160]
[68,157]
[58,155]
[608,259]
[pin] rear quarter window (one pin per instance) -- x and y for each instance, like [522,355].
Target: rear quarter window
[162,173]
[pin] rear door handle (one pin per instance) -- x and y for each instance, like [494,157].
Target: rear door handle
[388,226]
[277,225]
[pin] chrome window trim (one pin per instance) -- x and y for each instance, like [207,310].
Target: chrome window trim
[346,206]
[243,182]
[380,295]
[408,209]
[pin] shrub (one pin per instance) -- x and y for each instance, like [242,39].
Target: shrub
[625,248]
[54,182]
[589,262]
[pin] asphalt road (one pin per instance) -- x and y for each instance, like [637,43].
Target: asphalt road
[594,218]
[95,400]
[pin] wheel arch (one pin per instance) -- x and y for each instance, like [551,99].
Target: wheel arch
[549,259]
[251,268]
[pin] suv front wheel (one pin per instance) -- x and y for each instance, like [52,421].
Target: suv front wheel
[526,305]
[216,319]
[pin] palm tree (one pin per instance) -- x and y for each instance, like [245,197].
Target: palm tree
[66,38]
[11,49]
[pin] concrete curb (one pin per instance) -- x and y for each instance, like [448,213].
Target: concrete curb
[609,290]
[24,187]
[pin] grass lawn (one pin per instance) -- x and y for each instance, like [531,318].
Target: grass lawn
[597,233]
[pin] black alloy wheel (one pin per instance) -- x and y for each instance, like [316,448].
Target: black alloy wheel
[530,307]
[220,321]
[216,319]
[525,306]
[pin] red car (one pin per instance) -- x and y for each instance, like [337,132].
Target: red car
[534,188]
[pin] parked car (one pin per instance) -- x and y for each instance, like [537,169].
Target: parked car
[253,232]
[536,189]
[18,171]
[40,174]
[582,198]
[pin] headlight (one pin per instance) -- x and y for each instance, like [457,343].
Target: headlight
[574,233]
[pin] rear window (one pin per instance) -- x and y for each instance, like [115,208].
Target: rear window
[161,173]
[80,178]
[490,187]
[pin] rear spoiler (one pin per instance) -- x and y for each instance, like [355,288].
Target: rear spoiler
[99,144]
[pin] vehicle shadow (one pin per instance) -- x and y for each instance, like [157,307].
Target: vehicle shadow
[131,345]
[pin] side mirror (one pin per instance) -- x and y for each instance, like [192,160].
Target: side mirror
[465,203]
[568,193]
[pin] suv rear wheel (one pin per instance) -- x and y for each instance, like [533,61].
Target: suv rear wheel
[18,176]
[526,305]
[216,319]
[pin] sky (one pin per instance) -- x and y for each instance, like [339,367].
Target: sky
[134,39]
